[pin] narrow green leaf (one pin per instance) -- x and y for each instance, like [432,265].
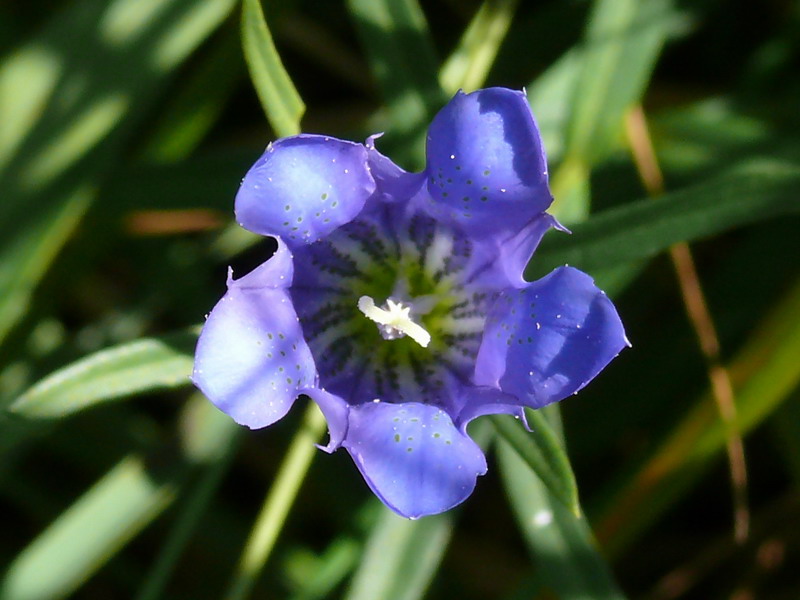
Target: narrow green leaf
[190,113]
[764,373]
[561,543]
[644,228]
[395,38]
[622,43]
[279,98]
[74,545]
[401,557]
[542,452]
[468,65]
[141,366]
[277,505]
[26,256]
[114,510]
[189,518]
[68,110]
[319,576]
[581,100]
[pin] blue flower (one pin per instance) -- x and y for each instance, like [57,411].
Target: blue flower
[396,300]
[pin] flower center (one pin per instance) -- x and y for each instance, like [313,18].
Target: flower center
[394,320]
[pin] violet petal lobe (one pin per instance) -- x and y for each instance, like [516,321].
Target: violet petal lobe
[413,457]
[304,187]
[547,340]
[251,358]
[393,182]
[336,411]
[486,165]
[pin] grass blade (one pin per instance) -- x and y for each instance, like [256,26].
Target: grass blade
[469,64]
[560,541]
[642,229]
[279,98]
[764,373]
[113,511]
[401,557]
[544,455]
[137,367]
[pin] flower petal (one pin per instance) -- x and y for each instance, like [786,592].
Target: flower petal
[336,411]
[393,182]
[413,457]
[547,340]
[304,187]
[251,357]
[486,165]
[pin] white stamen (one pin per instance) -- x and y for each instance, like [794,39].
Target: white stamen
[394,321]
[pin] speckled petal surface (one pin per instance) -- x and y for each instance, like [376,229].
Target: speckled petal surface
[304,187]
[413,457]
[486,165]
[251,358]
[547,340]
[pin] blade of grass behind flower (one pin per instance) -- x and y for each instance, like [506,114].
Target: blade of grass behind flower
[68,109]
[191,112]
[765,372]
[396,40]
[279,98]
[746,194]
[468,65]
[401,557]
[544,455]
[569,563]
[114,510]
[144,365]
[586,93]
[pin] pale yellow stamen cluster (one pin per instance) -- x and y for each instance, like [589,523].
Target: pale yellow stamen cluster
[394,321]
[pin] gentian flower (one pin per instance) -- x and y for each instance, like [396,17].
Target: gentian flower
[396,300]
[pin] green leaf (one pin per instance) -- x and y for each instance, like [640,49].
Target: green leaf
[68,110]
[765,373]
[622,43]
[468,65]
[583,97]
[189,114]
[114,510]
[137,367]
[401,557]
[561,543]
[26,256]
[542,452]
[644,228]
[395,37]
[279,98]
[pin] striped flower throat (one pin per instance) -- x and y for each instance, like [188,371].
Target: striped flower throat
[390,313]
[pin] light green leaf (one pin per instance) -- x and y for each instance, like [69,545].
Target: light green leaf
[114,510]
[581,100]
[141,366]
[644,228]
[764,373]
[395,38]
[279,98]
[68,110]
[541,450]
[622,43]
[468,65]
[561,543]
[401,557]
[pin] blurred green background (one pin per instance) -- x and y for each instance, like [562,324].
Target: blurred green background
[125,128]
